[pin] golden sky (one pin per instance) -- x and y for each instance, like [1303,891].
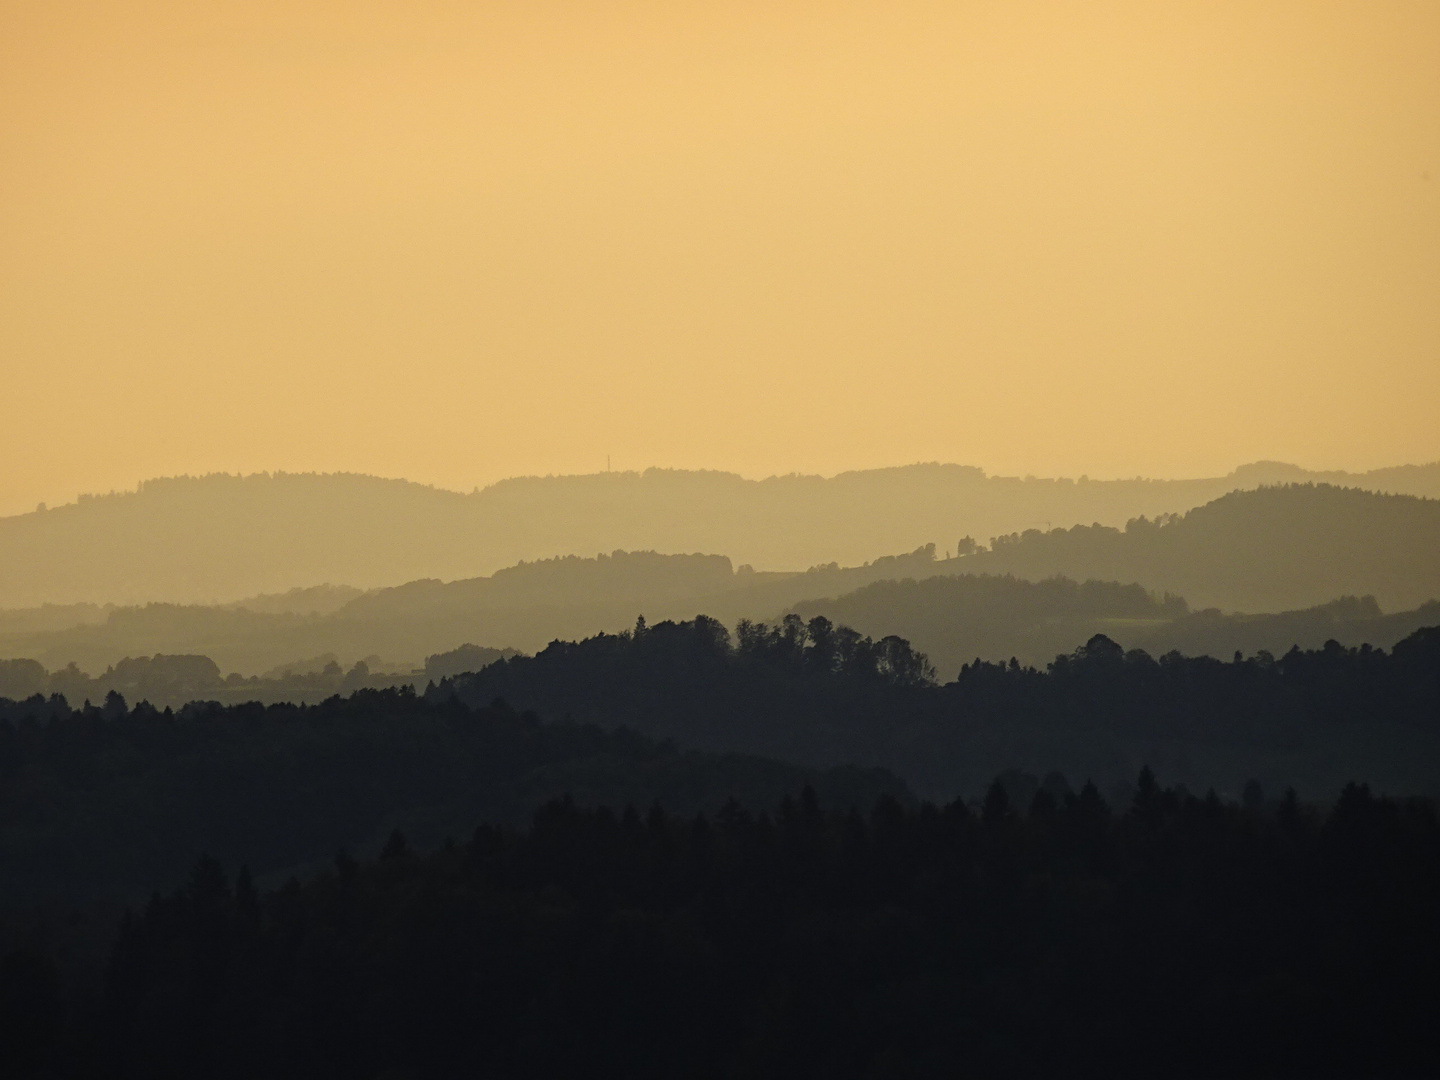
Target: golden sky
[464,240]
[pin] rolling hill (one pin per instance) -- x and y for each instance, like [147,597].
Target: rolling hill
[1276,549]
[523,607]
[220,538]
[1272,549]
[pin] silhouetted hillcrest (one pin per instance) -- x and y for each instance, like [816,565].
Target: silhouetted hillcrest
[1308,719]
[220,538]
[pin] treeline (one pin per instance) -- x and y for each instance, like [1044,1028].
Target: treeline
[953,618]
[1175,935]
[172,681]
[1309,719]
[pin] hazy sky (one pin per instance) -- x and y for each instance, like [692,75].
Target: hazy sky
[458,241]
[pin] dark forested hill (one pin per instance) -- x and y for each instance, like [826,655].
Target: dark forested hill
[120,796]
[1272,549]
[117,801]
[821,695]
[221,538]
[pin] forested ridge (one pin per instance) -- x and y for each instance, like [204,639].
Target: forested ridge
[112,801]
[118,797]
[820,694]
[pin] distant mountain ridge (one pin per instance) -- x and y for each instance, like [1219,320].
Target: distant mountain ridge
[219,538]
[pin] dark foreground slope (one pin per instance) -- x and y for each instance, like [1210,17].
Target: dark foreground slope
[107,802]
[820,695]
[1175,936]
[1273,549]
[220,538]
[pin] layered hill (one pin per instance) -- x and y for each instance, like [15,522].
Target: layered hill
[1272,549]
[523,607]
[1277,549]
[952,620]
[221,538]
